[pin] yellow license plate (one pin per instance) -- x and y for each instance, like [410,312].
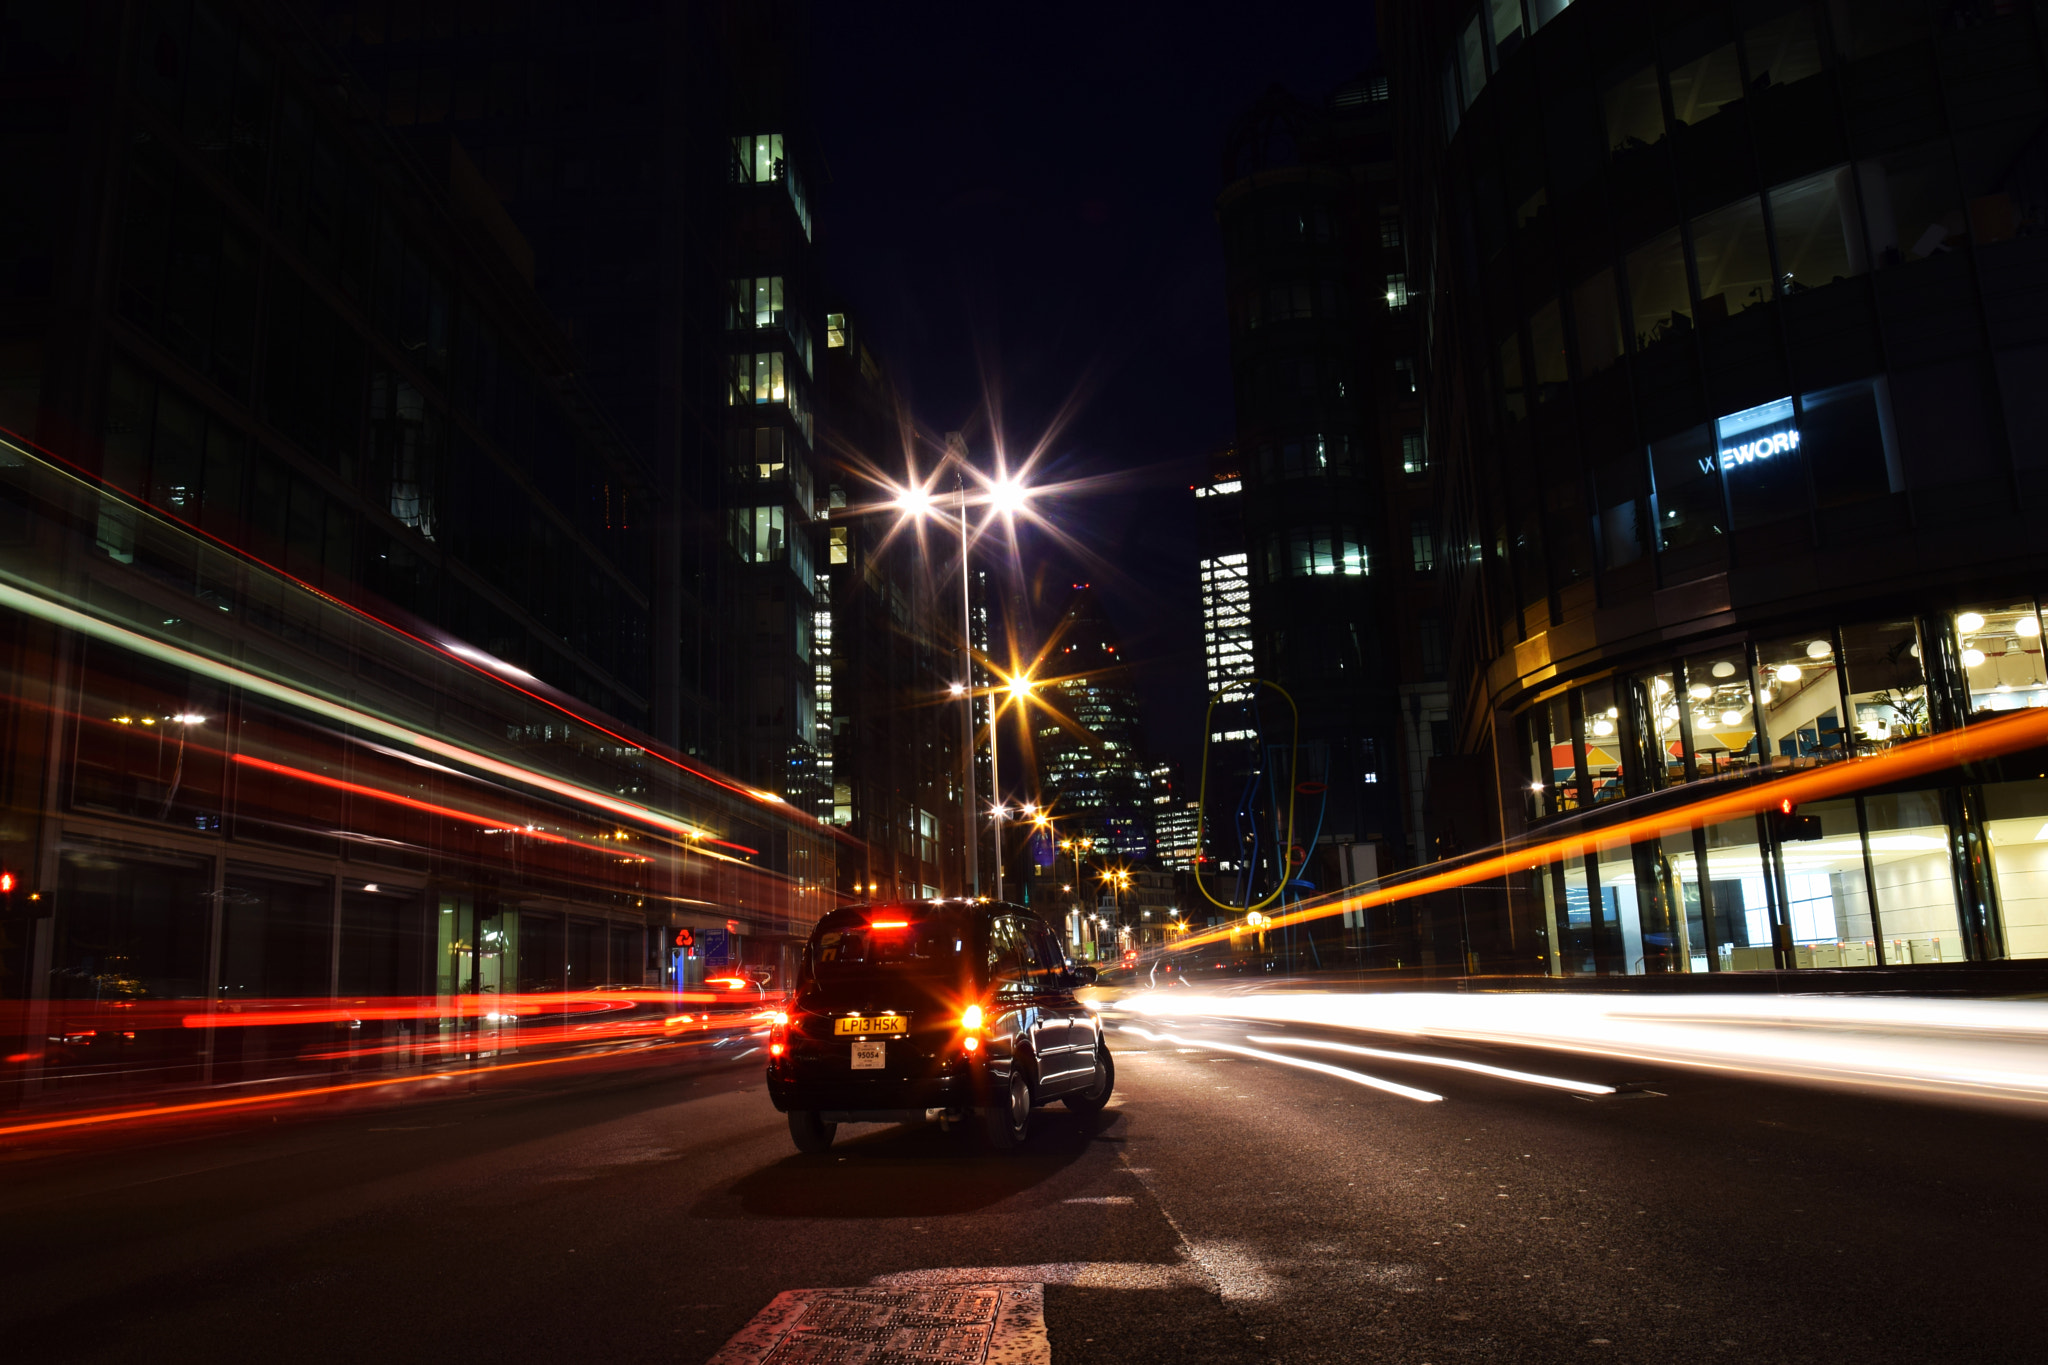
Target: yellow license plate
[873,1023]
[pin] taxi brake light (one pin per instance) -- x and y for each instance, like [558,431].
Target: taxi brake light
[971,1043]
[888,924]
[970,1018]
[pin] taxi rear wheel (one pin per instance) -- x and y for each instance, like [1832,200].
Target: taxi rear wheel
[1091,1100]
[1009,1116]
[810,1133]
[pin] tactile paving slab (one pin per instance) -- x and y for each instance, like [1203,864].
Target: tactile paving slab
[956,1324]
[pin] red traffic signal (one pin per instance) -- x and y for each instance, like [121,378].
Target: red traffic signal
[1789,828]
[6,883]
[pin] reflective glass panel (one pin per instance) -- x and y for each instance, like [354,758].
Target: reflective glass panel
[1662,735]
[1603,740]
[1633,106]
[1658,297]
[1700,87]
[1778,42]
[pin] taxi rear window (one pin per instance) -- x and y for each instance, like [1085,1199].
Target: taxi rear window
[889,946]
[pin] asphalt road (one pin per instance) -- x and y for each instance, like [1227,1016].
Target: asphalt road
[1225,1208]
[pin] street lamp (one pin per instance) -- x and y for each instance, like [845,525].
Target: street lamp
[1007,495]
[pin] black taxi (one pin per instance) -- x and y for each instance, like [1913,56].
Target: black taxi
[904,1008]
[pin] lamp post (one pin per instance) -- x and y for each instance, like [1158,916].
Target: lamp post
[1007,496]
[1018,688]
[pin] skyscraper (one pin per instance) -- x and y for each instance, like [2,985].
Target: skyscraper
[1091,762]
[1335,483]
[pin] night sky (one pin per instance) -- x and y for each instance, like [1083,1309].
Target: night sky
[1029,189]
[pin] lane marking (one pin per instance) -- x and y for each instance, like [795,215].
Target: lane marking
[1101,1199]
[1454,1063]
[1341,1073]
[966,1323]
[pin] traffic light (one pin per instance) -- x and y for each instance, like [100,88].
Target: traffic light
[1789,828]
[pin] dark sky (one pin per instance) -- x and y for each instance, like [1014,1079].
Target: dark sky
[1028,190]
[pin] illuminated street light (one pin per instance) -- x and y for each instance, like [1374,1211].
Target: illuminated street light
[956,689]
[1007,495]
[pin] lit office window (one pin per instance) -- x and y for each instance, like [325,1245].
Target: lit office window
[1397,290]
[835,331]
[757,158]
[758,453]
[1819,237]
[1733,259]
[754,301]
[1414,454]
[1422,540]
[1506,18]
[837,548]
[758,379]
[1472,60]
[1782,49]
[1633,107]
[1702,86]
[758,534]
[1657,290]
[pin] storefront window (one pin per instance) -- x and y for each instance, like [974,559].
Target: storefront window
[2000,650]
[1799,687]
[1672,861]
[1734,260]
[1578,934]
[1887,687]
[1633,105]
[1819,239]
[2016,820]
[1558,759]
[1723,720]
[1621,908]
[1688,487]
[1916,889]
[1827,896]
[1741,895]
[1603,741]
[1658,298]
[1779,42]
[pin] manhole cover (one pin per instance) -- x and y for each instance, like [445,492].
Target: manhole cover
[960,1324]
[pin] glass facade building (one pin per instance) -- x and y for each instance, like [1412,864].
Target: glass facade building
[1733,359]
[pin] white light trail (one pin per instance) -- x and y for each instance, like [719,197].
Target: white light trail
[1453,1063]
[1342,1073]
[1947,1049]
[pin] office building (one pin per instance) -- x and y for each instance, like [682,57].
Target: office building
[1333,477]
[1735,370]
[1091,767]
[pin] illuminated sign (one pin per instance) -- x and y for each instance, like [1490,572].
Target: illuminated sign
[1758,433]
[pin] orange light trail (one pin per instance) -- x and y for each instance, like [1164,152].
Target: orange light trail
[1985,739]
[107,1116]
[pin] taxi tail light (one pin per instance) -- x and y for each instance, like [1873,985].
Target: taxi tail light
[972,1020]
